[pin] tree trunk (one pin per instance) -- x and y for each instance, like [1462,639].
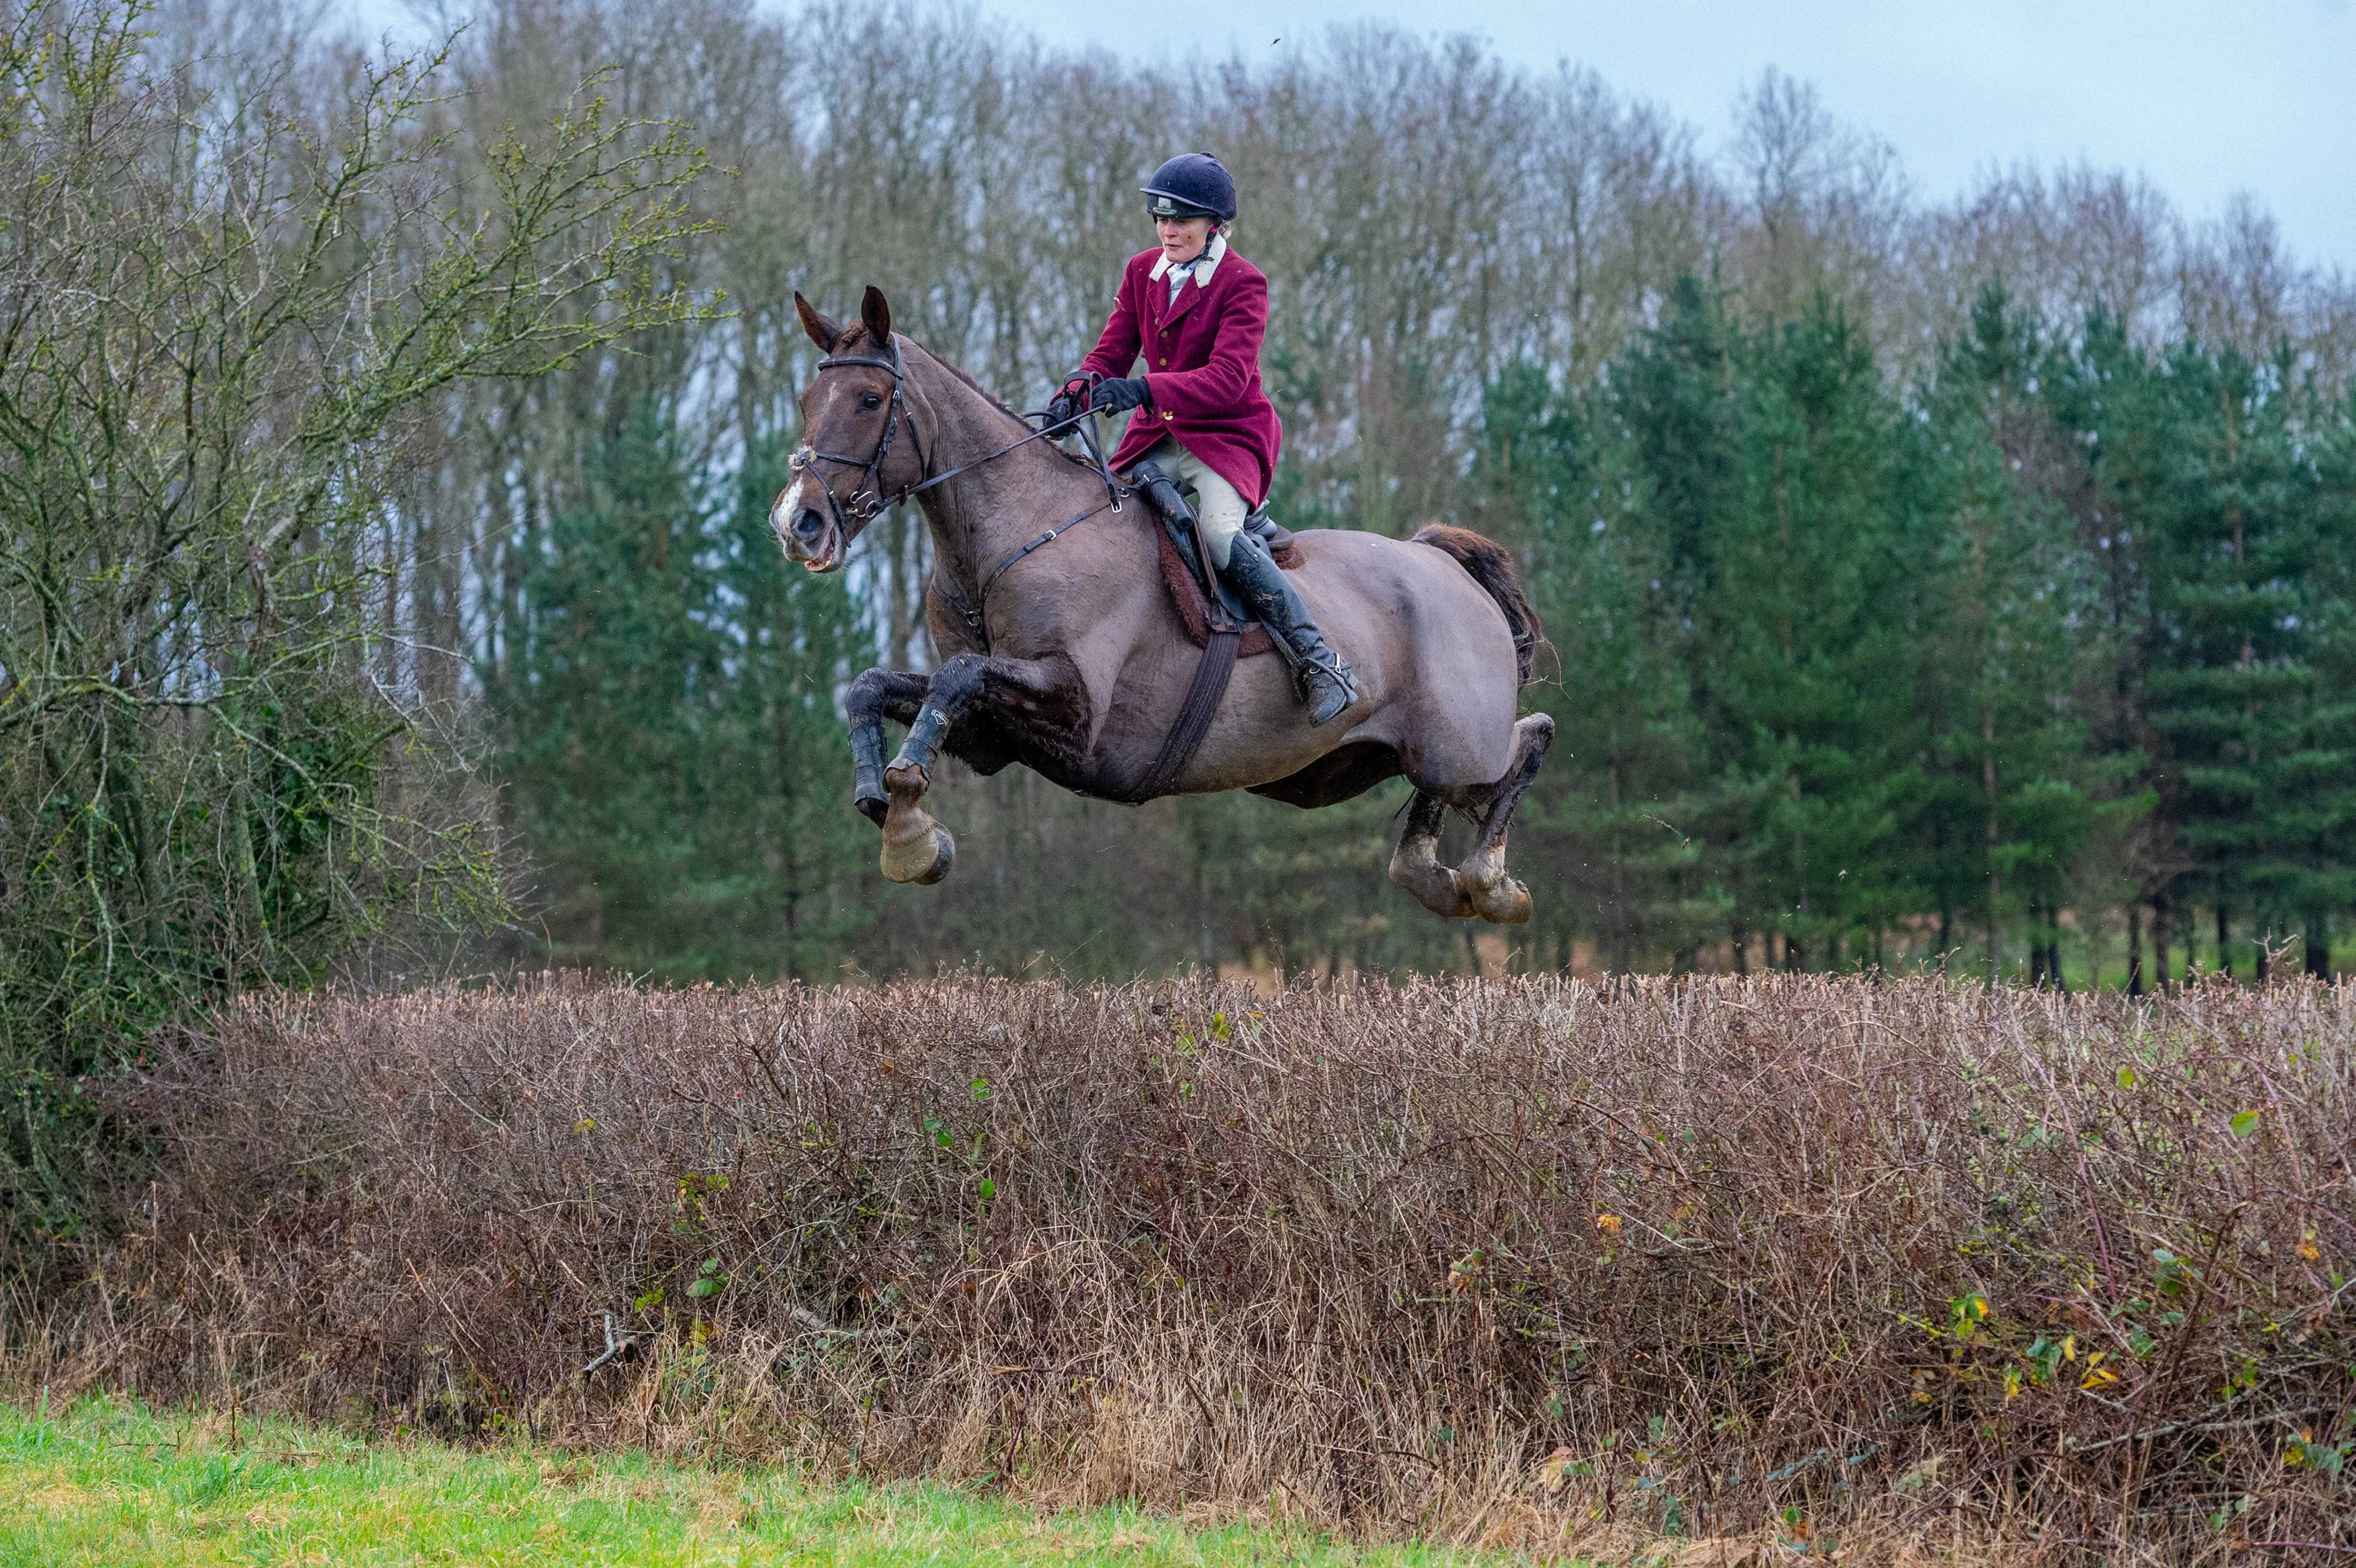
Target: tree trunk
[2317,943]
[1994,908]
[2135,949]
[2053,948]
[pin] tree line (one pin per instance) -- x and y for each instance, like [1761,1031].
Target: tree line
[1932,582]
[389,436]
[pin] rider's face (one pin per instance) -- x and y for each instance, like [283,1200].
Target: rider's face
[1183,239]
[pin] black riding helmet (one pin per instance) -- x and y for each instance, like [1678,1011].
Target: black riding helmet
[1192,185]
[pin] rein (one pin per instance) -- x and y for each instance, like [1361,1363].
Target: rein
[867,502]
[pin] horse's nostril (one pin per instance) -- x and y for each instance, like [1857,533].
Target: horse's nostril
[808,526]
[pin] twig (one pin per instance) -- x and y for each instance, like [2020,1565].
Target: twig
[614,1346]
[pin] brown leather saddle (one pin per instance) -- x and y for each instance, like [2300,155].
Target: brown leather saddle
[1185,584]
[1218,626]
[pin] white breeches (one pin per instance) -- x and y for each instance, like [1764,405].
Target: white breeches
[1220,510]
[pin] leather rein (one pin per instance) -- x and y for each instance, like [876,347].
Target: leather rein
[867,502]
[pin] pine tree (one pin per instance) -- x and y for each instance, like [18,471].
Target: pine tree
[2319,816]
[2007,637]
[1806,705]
[597,700]
[1556,469]
[2257,773]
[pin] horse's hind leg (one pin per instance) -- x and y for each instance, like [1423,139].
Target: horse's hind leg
[1416,867]
[1481,879]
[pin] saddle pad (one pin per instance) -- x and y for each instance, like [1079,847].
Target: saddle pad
[1187,594]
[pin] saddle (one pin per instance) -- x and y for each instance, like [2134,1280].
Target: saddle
[1182,576]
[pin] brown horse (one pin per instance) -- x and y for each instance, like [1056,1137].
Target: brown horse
[1070,657]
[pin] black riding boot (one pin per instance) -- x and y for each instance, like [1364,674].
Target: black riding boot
[1326,682]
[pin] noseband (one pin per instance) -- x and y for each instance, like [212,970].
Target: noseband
[868,502]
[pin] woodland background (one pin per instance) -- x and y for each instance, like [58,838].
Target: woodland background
[387,443]
[1960,578]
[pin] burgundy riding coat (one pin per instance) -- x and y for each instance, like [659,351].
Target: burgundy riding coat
[1202,369]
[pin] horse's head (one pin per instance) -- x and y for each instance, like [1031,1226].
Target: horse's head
[857,450]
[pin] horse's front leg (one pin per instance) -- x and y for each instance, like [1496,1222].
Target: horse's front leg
[1038,708]
[874,697]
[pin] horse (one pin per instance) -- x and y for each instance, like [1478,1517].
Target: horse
[1064,650]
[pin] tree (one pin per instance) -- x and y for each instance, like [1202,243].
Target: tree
[670,718]
[1559,468]
[213,770]
[2008,639]
[2260,785]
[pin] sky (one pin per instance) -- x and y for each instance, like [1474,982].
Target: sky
[2207,99]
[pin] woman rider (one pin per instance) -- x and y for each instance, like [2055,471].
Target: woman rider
[1197,311]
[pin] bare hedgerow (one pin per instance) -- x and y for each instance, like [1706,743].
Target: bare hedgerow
[1795,1255]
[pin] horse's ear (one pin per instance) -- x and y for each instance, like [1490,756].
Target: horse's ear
[822,330]
[875,316]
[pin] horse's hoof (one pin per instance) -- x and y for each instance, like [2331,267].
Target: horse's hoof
[924,859]
[1435,887]
[1503,902]
[871,803]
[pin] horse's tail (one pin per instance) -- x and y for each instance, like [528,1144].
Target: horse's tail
[1492,566]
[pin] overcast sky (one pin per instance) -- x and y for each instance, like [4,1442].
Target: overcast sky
[2206,99]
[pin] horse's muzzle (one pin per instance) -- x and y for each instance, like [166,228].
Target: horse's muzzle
[804,533]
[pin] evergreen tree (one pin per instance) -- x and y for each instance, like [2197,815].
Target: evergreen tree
[2257,783]
[2008,634]
[1559,468]
[1807,706]
[671,708]
[2320,816]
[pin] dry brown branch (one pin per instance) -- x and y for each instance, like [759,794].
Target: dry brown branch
[1521,1261]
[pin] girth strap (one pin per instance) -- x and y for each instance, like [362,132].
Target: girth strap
[1193,721]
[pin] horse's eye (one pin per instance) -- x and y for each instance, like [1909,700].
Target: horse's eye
[870,401]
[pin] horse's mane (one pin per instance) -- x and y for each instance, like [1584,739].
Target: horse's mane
[858,333]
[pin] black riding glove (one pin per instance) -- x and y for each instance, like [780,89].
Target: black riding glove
[1112,397]
[1072,401]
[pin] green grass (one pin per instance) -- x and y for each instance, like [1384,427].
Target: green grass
[107,1482]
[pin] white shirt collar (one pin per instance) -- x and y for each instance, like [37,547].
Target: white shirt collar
[1204,264]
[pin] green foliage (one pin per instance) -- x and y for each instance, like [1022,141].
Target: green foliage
[1841,661]
[670,711]
[221,767]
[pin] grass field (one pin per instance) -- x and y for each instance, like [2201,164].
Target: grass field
[108,1483]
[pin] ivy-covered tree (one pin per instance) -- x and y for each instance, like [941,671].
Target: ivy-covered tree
[216,763]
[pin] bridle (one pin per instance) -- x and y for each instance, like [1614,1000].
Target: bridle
[868,502]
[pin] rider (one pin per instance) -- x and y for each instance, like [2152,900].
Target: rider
[1198,310]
